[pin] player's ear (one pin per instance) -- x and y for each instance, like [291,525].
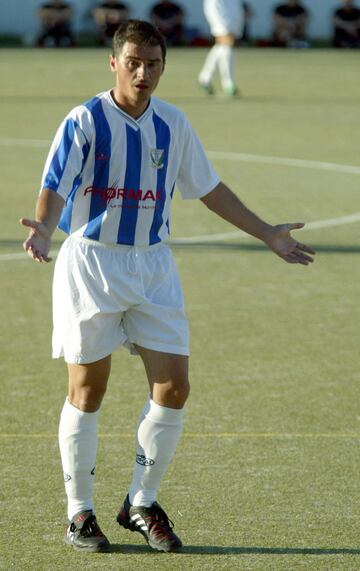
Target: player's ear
[113,62]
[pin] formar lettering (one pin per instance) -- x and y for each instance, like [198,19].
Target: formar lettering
[108,194]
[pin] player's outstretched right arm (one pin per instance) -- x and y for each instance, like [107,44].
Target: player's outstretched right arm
[47,215]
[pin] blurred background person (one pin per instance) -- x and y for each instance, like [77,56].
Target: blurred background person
[290,21]
[248,14]
[226,20]
[346,21]
[108,16]
[55,17]
[168,17]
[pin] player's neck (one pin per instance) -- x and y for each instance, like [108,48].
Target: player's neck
[133,108]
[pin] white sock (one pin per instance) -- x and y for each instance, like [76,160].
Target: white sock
[159,430]
[226,66]
[209,67]
[78,445]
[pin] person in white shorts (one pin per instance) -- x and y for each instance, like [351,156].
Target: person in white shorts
[226,22]
[108,182]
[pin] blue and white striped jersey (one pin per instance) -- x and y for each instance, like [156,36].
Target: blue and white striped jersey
[117,174]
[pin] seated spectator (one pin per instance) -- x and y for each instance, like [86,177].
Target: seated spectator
[290,24]
[55,19]
[108,16]
[248,14]
[168,17]
[347,26]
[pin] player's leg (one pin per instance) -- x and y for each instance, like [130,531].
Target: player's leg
[78,438]
[208,70]
[161,422]
[158,433]
[226,63]
[87,326]
[87,384]
[168,376]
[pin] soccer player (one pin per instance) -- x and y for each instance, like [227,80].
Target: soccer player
[226,22]
[109,180]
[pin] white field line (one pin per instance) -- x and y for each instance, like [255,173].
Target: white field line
[22,256]
[285,162]
[243,157]
[351,218]
[330,222]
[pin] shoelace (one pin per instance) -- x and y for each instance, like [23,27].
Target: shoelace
[91,528]
[158,516]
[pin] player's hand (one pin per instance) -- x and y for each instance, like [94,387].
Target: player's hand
[38,242]
[285,246]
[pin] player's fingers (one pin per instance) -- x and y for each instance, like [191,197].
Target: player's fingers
[41,257]
[290,259]
[46,259]
[27,245]
[296,225]
[304,260]
[29,223]
[34,254]
[305,248]
[297,258]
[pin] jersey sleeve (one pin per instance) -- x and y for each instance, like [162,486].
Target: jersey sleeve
[196,176]
[66,158]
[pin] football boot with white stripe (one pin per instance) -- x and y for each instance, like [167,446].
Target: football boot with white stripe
[84,533]
[152,523]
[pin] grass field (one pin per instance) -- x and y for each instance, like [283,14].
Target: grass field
[267,474]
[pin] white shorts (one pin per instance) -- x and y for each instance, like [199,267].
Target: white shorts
[224,17]
[105,296]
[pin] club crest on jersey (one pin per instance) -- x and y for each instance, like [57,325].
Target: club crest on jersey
[157,158]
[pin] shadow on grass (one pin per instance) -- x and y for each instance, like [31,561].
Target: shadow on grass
[229,246]
[259,247]
[220,550]
[9,243]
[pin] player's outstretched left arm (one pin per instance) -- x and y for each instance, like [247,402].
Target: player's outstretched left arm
[278,238]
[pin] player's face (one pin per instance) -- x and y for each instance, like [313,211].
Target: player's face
[138,70]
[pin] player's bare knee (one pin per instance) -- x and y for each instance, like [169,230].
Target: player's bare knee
[172,394]
[86,398]
[180,395]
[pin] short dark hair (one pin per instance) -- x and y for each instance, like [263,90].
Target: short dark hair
[138,32]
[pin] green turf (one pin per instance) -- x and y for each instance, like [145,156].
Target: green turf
[266,475]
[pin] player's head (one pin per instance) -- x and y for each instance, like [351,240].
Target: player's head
[138,61]
[140,33]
